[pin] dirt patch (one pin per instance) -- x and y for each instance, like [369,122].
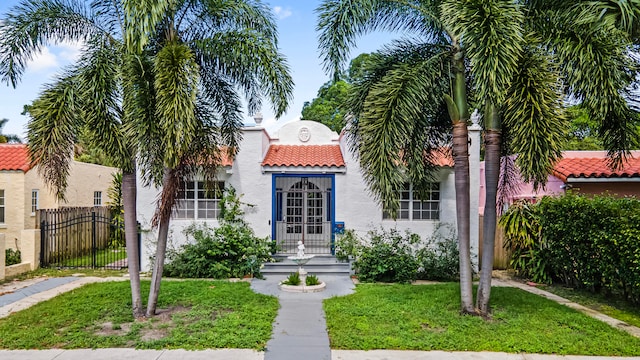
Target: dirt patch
[110,329]
[155,328]
[428,327]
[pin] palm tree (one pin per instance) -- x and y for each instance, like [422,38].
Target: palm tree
[205,51]
[155,86]
[7,138]
[85,97]
[590,57]
[399,104]
[512,59]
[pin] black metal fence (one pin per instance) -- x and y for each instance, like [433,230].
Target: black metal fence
[81,238]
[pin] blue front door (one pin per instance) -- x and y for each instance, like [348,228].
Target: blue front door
[303,211]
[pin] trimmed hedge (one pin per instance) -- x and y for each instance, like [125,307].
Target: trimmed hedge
[584,242]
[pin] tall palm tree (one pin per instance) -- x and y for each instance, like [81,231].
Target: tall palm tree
[515,62]
[405,89]
[7,138]
[155,87]
[590,57]
[204,51]
[86,96]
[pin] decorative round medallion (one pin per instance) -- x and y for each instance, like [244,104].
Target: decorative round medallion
[304,134]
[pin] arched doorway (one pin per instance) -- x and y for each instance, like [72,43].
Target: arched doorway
[303,213]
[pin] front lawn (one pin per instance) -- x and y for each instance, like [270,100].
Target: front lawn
[195,314]
[427,318]
[613,306]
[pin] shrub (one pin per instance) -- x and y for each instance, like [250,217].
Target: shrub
[312,280]
[230,250]
[522,233]
[389,257]
[439,258]
[293,279]
[12,257]
[591,243]
[347,245]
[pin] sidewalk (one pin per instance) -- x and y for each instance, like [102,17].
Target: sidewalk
[299,331]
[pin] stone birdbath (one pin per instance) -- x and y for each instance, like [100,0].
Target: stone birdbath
[302,259]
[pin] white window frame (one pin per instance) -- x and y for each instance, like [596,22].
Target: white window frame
[3,213]
[97,198]
[411,208]
[194,202]
[35,201]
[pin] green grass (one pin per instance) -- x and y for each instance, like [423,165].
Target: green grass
[206,314]
[50,272]
[103,257]
[427,318]
[613,306]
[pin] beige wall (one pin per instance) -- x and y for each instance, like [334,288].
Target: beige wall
[83,180]
[12,182]
[617,188]
[46,199]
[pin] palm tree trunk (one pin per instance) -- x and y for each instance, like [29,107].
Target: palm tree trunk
[492,140]
[461,170]
[131,239]
[161,250]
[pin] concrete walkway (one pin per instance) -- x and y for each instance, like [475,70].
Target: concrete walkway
[24,297]
[299,331]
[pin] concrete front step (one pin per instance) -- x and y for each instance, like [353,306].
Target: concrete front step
[327,265]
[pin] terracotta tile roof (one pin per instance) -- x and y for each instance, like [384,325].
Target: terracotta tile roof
[442,157]
[594,167]
[304,155]
[14,157]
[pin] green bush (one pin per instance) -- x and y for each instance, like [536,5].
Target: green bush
[12,257]
[522,235]
[311,280]
[293,279]
[388,257]
[439,257]
[347,245]
[584,242]
[229,250]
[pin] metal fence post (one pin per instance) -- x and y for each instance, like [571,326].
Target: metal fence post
[93,238]
[43,247]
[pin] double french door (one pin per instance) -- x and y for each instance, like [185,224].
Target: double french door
[303,213]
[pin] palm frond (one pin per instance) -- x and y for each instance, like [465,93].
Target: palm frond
[176,85]
[213,17]
[533,115]
[250,62]
[224,105]
[492,35]
[34,23]
[599,70]
[340,22]
[141,19]
[55,122]
[99,95]
[396,124]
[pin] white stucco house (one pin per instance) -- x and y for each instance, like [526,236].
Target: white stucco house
[303,183]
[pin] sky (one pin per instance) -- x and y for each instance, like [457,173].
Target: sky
[296,22]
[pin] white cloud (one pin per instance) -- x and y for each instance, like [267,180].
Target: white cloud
[43,61]
[55,56]
[282,13]
[70,51]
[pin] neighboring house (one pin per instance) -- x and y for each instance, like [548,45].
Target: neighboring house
[302,184]
[23,191]
[588,172]
[585,172]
